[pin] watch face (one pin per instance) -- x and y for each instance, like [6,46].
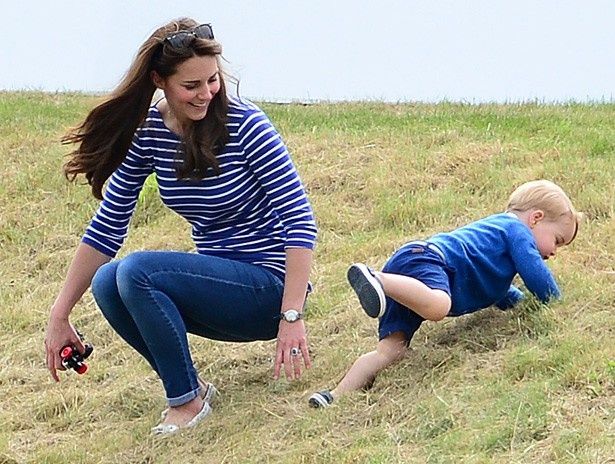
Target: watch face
[291,315]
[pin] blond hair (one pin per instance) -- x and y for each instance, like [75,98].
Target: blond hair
[546,196]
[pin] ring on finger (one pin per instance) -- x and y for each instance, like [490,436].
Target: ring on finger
[294,351]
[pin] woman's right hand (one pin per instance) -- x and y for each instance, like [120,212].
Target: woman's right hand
[60,333]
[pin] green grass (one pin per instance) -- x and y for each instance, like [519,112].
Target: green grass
[533,385]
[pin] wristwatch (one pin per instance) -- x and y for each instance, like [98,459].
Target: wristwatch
[291,315]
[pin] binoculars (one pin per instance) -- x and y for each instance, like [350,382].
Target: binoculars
[72,359]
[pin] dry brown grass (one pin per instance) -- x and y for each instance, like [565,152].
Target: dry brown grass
[532,385]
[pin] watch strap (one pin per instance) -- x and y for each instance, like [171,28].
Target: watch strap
[283,317]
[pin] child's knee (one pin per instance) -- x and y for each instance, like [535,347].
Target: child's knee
[393,348]
[440,307]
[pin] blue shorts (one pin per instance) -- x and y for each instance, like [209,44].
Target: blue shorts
[423,262]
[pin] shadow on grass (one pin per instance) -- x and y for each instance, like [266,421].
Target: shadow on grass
[486,330]
[491,329]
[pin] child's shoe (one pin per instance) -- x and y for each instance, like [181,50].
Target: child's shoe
[321,399]
[368,288]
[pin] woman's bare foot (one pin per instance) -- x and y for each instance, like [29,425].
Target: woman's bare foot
[181,415]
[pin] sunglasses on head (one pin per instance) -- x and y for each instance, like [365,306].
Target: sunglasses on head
[182,39]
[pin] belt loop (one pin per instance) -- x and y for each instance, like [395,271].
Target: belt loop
[429,246]
[436,250]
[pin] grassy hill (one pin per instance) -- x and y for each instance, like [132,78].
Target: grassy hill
[532,385]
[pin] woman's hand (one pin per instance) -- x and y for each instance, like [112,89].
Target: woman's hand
[291,348]
[60,333]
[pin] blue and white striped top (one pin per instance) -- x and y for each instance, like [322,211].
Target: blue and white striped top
[251,212]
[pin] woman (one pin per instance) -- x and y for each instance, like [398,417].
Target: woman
[221,165]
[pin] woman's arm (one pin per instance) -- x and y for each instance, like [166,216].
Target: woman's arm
[270,162]
[101,241]
[60,332]
[293,334]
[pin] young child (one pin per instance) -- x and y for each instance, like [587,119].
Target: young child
[459,272]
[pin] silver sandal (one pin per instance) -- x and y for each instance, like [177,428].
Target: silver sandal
[208,393]
[164,430]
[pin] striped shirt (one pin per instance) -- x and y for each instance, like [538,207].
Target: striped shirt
[252,211]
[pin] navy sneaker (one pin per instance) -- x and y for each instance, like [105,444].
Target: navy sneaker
[321,399]
[368,288]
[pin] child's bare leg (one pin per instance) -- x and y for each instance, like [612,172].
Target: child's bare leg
[365,369]
[428,303]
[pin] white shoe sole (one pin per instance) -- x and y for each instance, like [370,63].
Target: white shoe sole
[368,289]
[165,430]
[318,400]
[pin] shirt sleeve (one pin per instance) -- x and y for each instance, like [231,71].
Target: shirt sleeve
[109,226]
[512,298]
[270,161]
[531,267]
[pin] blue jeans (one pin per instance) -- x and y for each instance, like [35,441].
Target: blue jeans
[153,298]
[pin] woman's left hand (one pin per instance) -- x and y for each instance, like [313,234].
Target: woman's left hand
[291,348]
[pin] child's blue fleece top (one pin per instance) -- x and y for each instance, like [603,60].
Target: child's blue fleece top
[485,256]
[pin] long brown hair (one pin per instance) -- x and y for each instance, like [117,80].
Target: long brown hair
[106,133]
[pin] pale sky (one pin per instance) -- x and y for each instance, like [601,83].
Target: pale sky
[294,50]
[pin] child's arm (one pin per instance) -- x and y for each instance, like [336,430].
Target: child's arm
[513,296]
[532,269]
